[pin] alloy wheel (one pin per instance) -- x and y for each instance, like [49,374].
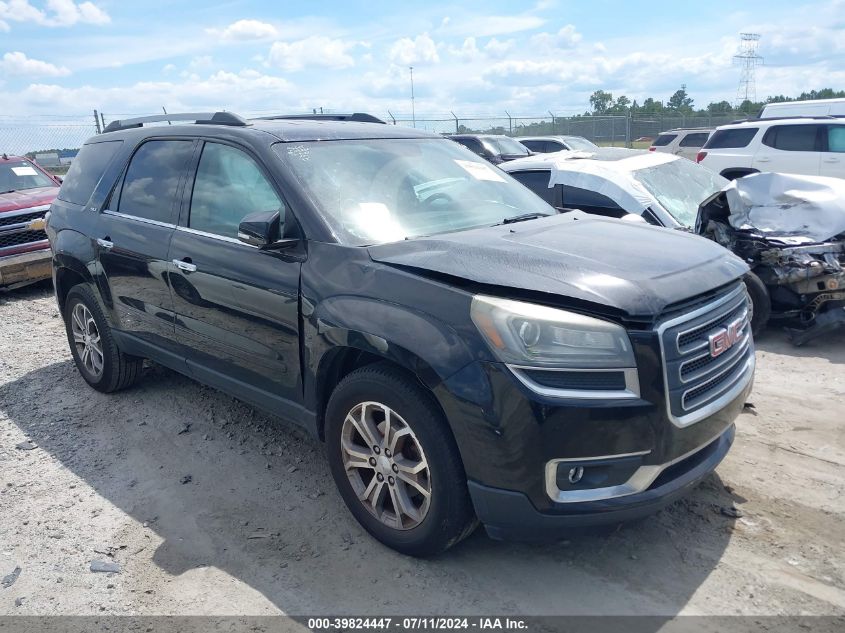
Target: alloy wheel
[386,465]
[86,339]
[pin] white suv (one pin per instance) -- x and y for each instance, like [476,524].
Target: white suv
[813,146]
[683,142]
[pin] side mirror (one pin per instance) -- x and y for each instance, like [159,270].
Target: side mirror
[260,229]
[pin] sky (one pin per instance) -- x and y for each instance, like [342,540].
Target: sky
[60,57]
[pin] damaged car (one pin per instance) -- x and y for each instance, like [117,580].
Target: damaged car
[660,189]
[791,231]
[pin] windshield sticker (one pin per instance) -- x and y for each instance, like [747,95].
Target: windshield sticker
[480,171]
[24,171]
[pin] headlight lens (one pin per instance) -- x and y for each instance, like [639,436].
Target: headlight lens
[522,333]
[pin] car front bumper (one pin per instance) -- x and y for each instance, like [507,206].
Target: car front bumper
[25,268]
[507,514]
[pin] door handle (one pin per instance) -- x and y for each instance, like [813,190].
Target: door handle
[763,160]
[185,265]
[830,160]
[105,243]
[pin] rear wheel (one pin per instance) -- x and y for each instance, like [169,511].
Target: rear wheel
[395,463]
[97,357]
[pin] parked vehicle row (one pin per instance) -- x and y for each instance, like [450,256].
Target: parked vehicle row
[813,146]
[685,142]
[467,352]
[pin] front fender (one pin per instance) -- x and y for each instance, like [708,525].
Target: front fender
[413,339]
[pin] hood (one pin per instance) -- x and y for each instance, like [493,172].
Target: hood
[26,198]
[805,208]
[635,268]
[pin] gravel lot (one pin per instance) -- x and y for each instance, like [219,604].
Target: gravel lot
[211,507]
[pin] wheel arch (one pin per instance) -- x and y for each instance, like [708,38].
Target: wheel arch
[732,173]
[340,361]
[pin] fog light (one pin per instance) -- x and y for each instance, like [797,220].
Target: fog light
[575,474]
[832,284]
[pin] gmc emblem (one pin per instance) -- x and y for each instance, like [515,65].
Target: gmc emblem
[725,338]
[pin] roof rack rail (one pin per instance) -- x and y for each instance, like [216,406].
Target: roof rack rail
[361,117]
[207,118]
[784,118]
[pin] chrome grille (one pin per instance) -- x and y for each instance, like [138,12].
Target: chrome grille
[15,228]
[697,382]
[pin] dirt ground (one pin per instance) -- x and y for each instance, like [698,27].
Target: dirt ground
[259,529]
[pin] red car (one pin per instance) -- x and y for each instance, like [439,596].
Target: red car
[26,192]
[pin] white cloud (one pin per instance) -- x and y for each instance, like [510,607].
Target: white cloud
[239,92]
[411,51]
[67,13]
[200,62]
[566,38]
[497,49]
[485,25]
[317,51]
[57,13]
[244,30]
[18,64]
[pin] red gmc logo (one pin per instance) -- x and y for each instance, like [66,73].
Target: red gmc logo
[725,338]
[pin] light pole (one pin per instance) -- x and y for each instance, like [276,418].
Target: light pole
[413,112]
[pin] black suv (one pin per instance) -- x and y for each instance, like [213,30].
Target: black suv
[466,352]
[495,148]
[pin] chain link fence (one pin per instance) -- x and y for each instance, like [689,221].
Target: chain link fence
[49,135]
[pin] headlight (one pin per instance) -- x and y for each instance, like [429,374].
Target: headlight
[522,333]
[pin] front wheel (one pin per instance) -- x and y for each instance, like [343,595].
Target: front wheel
[761,303]
[395,462]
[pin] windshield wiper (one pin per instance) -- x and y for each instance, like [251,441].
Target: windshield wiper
[9,191]
[522,218]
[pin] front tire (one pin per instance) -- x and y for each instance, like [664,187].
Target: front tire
[97,357]
[395,463]
[761,302]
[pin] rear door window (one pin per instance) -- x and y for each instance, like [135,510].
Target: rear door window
[86,170]
[694,140]
[725,139]
[792,138]
[471,144]
[536,146]
[836,138]
[538,182]
[152,179]
[228,187]
[664,139]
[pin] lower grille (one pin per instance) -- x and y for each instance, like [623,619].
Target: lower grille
[708,356]
[20,238]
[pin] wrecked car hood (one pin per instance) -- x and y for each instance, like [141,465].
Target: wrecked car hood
[636,268]
[786,205]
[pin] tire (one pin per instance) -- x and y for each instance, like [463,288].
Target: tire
[761,303]
[116,370]
[430,528]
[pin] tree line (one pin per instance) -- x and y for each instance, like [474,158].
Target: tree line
[603,103]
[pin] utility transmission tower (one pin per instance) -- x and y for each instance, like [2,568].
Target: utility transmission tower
[747,59]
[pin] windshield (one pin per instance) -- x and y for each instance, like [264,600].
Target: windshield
[505,145]
[385,190]
[16,175]
[582,144]
[680,186]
